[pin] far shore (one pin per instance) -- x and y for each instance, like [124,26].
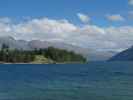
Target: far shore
[44,63]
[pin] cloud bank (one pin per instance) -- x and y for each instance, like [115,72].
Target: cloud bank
[88,36]
[115,17]
[130,2]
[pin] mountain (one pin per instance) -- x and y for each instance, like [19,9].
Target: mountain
[90,54]
[37,44]
[45,44]
[126,55]
[14,44]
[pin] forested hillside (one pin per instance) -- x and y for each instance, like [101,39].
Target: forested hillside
[52,55]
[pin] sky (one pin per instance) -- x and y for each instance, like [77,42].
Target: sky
[102,25]
[64,9]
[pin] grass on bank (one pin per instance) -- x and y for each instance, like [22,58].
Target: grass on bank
[40,59]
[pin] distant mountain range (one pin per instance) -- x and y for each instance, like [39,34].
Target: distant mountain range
[37,44]
[91,55]
[126,55]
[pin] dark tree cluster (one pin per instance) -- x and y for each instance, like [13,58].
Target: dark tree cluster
[54,54]
[15,56]
[60,55]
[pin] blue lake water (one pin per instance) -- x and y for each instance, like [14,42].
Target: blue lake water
[93,81]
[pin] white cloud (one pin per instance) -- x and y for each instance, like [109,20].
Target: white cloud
[130,2]
[115,17]
[4,28]
[88,36]
[83,17]
[5,20]
[45,28]
[130,14]
[92,30]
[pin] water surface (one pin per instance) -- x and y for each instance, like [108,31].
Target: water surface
[93,81]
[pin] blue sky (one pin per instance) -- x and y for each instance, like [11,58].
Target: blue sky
[99,25]
[60,9]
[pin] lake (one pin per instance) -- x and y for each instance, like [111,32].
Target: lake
[93,81]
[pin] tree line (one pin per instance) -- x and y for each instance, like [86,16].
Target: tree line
[26,56]
[60,55]
[15,55]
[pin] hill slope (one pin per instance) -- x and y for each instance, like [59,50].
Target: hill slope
[126,55]
[89,53]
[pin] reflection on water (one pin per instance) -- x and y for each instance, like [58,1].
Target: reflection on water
[94,81]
